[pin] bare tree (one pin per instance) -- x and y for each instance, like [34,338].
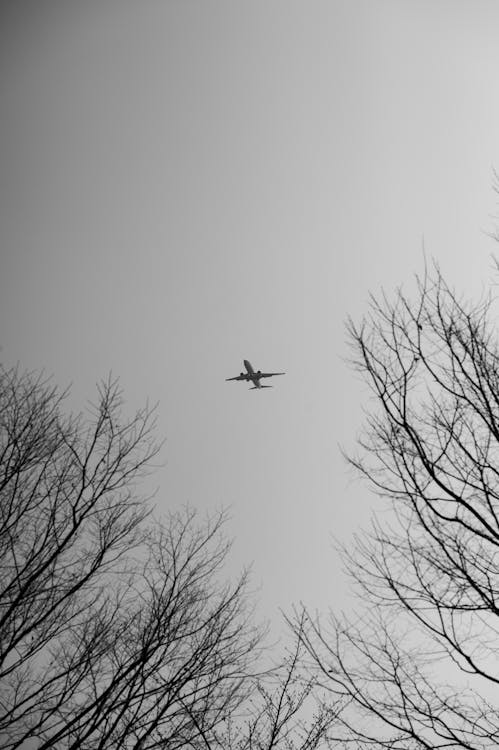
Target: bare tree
[119,630]
[115,631]
[419,666]
[283,711]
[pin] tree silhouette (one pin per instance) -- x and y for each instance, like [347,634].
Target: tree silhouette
[283,710]
[418,666]
[114,632]
[119,630]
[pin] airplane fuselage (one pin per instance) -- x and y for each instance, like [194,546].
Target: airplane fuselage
[252,375]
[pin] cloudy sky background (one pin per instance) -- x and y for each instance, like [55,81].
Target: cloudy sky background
[187,183]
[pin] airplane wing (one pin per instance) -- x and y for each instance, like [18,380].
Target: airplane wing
[269,374]
[238,377]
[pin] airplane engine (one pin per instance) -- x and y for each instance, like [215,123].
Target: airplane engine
[243,374]
[259,372]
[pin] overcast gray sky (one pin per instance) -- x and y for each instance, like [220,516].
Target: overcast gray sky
[184,184]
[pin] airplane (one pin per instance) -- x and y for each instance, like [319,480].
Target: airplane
[250,374]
